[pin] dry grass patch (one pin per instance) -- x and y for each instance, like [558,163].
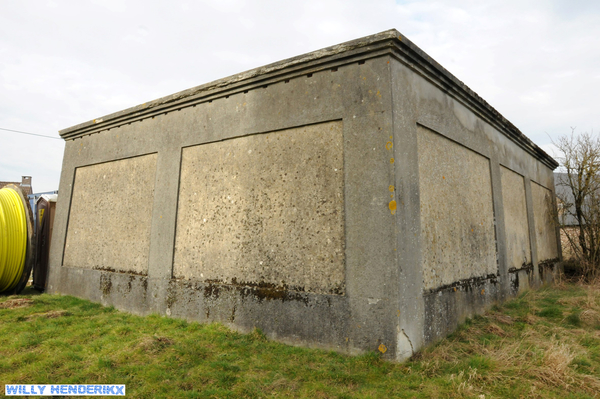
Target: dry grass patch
[52,314]
[154,344]
[531,319]
[503,319]
[554,369]
[16,303]
[496,330]
[536,343]
[590,316]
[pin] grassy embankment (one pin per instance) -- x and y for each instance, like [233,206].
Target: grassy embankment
[545,343]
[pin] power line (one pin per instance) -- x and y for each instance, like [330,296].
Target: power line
[31,134]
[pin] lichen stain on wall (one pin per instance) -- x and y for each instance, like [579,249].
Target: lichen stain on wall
[457,215]
[266,209]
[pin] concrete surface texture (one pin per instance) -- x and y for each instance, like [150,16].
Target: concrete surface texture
[111,209]
[265,209]
[457,215]
[356,198]
[518,247]
[544,216]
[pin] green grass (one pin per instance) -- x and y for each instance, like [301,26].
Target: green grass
[544,343]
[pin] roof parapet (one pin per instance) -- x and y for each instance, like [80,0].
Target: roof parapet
[387,42]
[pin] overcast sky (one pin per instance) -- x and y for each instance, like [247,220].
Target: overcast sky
[66,62]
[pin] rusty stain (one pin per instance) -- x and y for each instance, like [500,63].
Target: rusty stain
[398,312]
[388,145]
[482,291]
[392,206]
[454,289]
[382,348]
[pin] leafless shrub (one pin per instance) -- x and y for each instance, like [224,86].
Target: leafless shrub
[578,199]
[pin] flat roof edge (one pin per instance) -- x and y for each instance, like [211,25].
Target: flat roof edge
[390,41]
[224,83]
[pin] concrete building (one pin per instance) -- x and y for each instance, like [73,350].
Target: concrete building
[357,198]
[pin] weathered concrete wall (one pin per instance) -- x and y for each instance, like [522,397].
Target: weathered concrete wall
[518,246]
[111,211]
[436,105]
[457,214]
[545,227]
[342,199]
[264,210]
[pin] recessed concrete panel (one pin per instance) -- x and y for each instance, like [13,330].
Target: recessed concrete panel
[518,246]
[264,210]
[111,211]
[545,229]
[457,215]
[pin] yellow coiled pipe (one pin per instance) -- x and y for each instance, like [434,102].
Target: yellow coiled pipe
[13,238]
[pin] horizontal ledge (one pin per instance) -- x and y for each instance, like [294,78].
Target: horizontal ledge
[389,42]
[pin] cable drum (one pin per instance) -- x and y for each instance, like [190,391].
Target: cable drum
[16,232]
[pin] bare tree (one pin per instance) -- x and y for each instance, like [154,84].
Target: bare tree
[578,194]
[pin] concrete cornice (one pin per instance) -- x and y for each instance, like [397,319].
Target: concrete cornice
[416,59]
[388,42]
